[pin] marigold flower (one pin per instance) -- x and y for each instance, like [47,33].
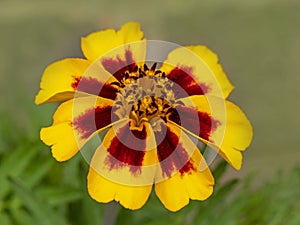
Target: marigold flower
[155,120]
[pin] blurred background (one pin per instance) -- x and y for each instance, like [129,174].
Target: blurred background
[258,43]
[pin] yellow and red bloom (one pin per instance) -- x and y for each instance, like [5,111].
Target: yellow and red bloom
[154,119]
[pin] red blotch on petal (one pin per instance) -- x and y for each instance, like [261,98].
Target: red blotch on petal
[95,87]
[92,120]
[171,155]
[118,66]
[184,78]
[187,168]
[127,149]
[199,123]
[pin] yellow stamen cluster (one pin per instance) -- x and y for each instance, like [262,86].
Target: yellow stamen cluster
[148,108]
[144,94]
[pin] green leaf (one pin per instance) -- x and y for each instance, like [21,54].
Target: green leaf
[91,212]
[209,208]
[4,219]
[159,221]
[41,211]
[14,164]
[220,170]
[225,189]
[295,218]
[37,171]
[22,217]
[59,195]
[71,172]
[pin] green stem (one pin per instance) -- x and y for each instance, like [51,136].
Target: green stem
[111,213]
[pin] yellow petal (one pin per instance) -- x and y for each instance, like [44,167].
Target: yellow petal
[104,190]
[234,131]
[200,64]
[211,59]
[130,185]
[70,110]
[238,135]
[67,133]
[99,43]
[130,32]
[176,192]
[62,140]
[57,80]
[194,183]
[173,150]
[62,79]
[126,158]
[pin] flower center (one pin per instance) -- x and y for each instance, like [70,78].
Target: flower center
[148,108]
[144,94]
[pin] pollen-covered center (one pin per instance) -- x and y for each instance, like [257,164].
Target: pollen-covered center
[148,108]
[144,94]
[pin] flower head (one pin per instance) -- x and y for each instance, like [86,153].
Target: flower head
[156,106]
